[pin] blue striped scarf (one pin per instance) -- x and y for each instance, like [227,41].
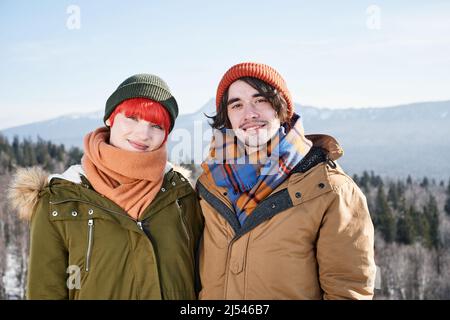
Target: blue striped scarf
[251,178]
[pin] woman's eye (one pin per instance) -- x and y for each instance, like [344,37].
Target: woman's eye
[157,127]
[132,118]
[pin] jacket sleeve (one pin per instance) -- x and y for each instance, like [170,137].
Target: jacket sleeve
[48,257]
[345,246]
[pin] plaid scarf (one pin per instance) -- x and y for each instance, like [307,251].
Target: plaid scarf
[250,178]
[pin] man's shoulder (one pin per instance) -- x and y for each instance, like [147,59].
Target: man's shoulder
[326,175]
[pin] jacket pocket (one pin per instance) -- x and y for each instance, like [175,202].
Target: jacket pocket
[184,223]
[90,240]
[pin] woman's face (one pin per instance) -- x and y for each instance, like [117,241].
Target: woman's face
[132,134]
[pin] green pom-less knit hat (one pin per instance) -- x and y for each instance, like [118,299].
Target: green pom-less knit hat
[143,86]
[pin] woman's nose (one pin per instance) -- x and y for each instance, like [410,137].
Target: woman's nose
[142,130]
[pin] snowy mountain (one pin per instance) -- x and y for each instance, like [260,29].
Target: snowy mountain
[393,141]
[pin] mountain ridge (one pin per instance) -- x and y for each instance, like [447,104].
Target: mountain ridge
[393,141]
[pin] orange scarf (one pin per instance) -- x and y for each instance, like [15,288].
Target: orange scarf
[130,179]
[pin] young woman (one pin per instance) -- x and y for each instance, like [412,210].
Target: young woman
[124,224]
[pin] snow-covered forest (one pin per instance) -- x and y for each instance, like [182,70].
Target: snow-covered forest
[411,218]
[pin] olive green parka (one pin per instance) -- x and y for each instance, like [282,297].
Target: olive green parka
[84,246]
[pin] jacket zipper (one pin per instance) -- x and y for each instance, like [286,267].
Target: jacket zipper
[183,222]
[90,240]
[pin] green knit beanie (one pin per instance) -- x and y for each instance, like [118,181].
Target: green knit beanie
[143,86]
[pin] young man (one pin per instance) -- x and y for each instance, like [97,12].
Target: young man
[282,219]
[123,224]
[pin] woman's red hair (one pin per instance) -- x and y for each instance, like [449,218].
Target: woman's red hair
[145,109]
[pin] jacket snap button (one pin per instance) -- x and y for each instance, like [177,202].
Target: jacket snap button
[273,205]
[298,195]
[90,212]
[74,213]
[183,179]
[321,185]
[54,213]
[163,189]
[173,183]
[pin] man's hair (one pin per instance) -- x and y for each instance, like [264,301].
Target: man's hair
[279,104]
[145,109]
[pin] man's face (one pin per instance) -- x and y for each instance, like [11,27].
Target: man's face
[134,134]
[252,116]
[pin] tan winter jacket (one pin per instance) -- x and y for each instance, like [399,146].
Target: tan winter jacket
[312,238]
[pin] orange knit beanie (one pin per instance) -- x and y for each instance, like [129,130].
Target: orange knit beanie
[259,71]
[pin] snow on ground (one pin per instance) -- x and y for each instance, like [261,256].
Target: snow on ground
[11,278]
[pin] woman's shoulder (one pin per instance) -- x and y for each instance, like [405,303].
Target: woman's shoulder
[31,185]
[180,172]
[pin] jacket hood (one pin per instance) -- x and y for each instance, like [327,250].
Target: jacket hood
[27,183]
[330,144]
[23,192]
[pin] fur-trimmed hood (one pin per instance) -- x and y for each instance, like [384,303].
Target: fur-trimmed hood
[23,192]
[27,183]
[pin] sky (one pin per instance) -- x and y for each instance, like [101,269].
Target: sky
[65,57]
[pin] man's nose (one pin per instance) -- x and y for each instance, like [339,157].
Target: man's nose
[250,111]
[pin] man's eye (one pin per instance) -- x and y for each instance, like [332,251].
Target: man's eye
[236,106]
[260,100]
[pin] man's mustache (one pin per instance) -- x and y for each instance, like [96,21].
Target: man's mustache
[250,124]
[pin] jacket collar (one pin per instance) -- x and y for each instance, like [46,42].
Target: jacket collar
[328,143]
[75,173]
